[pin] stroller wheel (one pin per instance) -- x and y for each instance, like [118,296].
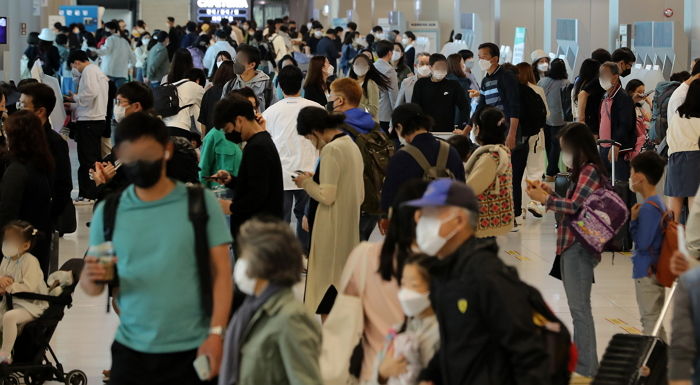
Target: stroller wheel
[13,379]
[76,377]
[33,380]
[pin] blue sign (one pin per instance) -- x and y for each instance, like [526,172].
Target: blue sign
[88,15]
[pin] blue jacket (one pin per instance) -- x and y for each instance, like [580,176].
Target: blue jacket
[360,120]
[647,236]
[326,47]
[348,53]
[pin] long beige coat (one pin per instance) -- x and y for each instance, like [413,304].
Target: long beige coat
[336,229]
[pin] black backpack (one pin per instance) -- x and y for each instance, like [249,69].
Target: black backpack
[566,105]
[198,216]
[166,100]
[533,112]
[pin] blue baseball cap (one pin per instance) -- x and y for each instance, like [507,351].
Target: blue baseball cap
[447,192]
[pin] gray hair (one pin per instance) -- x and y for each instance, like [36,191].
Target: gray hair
[272,250]
[612,66]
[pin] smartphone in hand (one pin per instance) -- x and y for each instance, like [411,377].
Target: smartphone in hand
[202,367]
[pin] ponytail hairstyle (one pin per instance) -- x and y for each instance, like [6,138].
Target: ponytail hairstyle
[411,118]
[25,230]
[492,126]
[315,119]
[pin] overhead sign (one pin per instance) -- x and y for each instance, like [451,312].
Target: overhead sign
[519,45]
[215,10]
[88,15]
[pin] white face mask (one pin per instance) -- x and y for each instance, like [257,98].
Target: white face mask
[119,112]
[469,64]
[75,73]
[568,159]
[543,67]
[145,41]
[412,302]
[631,184]
[423,71]
[379,35]
[439,75]
[330,70]
[318,34]
[403,140]
[428,234]
[9,249]
[605,83]
[395,56]
[404,41]
[360,70]
[218,63]
[241,278]
[484,64]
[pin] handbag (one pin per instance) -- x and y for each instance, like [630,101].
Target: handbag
[344,327]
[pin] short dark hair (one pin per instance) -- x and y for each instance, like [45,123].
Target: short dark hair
[331,31]
[290,79]
[247,93]
[42,96]
[494,51]
[650,164]
[139,125]
[492,126]
[383,47]
[623,54]
[77,55]
[601,55]
[557,70]
[221,34]
[111,25]
[171,19]
[696,69]
[466,54]
[61,39]
[410,35]
[191,26]
[462,144]
[231,107]
[411,118]
[160,36]
[377,28]
[137,92]
[437,57]
[680,76]
[352,25]
[317,119]
[251,53]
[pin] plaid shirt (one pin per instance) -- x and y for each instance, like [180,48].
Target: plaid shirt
[588,181]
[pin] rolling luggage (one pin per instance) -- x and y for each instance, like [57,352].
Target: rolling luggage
[636,359]
[623,239]
[561,186]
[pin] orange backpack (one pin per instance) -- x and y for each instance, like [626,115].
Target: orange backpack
[669,245]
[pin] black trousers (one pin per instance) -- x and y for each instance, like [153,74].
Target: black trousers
[130,367]
[88,136]
[551,142]
[519,161]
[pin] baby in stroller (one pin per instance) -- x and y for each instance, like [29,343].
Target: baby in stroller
[19,272]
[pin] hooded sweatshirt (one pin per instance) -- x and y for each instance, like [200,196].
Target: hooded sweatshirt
[258,84]
[360,120]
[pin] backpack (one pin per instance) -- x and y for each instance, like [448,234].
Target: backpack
[430,172]
[602,215]
[198,216]
[267,50]
[669,245]
[166,100]
[533,112]
[377,149]
[566,105]
[641,139]
[659,111]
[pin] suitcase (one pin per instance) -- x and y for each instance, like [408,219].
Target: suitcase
[623,239]
[561,186]
[636,359]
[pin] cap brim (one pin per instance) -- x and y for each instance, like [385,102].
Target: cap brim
[425,202]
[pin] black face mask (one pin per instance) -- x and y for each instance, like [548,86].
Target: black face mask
[626,72]
[144,173]
[329,107]
[234,136]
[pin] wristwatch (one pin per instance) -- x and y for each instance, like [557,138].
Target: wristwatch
[217,331]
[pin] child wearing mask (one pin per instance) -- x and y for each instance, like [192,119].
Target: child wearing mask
[410,347]
[19,273]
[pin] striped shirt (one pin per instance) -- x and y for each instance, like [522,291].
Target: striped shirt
[489,88]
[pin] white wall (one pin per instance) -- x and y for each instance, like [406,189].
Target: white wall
[155,12]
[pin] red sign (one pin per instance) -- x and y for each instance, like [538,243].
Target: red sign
[668,12]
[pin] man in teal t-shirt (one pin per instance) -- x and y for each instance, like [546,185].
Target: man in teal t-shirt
[163,325]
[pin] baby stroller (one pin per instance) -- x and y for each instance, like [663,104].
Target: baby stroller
[34,361]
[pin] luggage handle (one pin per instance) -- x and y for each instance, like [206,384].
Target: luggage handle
[613,144]
[644,370]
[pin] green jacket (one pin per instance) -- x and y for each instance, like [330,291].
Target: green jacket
[281,345]
[158,63]
[218,153]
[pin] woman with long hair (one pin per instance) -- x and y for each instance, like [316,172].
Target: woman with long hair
[189,93]
[586,74]
[348,52]
[399,62]
[580,155]
[213,94]
[26,184]
[456,72]
[553,83]
[316,84]
[141,54]
[180,65]
[371,80]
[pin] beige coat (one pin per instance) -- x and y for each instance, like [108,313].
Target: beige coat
[337,224]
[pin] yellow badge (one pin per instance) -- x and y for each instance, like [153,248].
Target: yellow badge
[462,305]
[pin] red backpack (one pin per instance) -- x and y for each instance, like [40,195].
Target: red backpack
[669,245]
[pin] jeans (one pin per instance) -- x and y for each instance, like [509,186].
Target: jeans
[155,84]
[88,136]
[551,134]
[118,82]
[622,167]
[297,199]
[518,158]
[139,74]
[367,224]
[577,266]
[650,299]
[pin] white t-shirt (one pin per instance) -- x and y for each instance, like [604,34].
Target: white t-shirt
[676,100]
[188,92]
[296,152]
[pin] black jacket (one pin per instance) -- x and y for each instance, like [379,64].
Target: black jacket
[258,188]
[486,331]
[441,100]
[62,182]
[326,47]
[315,94]
[623,119]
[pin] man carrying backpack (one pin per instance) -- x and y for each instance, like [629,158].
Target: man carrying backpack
[374,144]
[175,292]
[422,156]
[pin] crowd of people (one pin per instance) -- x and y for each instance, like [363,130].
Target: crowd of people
[237,160]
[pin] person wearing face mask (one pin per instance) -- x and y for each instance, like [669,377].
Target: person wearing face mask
[371,80]
[482,308]
[456,71]
[410,50]
[141,54]
[442,99]
[327,47]
[19,273]
[553,83]
[247,75]
[158,62]
[540,64]
[316,82]
[348,52]
[337,191]
[40,99]
[576,262]
[116,55]
[411,344]
[398,60]
[618,121]
[315,35]
[154,331]
[258,188]
[422,70]
[414,127]
[220,43]
[490,175]
[387,96]
[468,57]
[271,339]
[378,32]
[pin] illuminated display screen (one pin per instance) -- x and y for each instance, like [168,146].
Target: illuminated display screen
[215,10]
